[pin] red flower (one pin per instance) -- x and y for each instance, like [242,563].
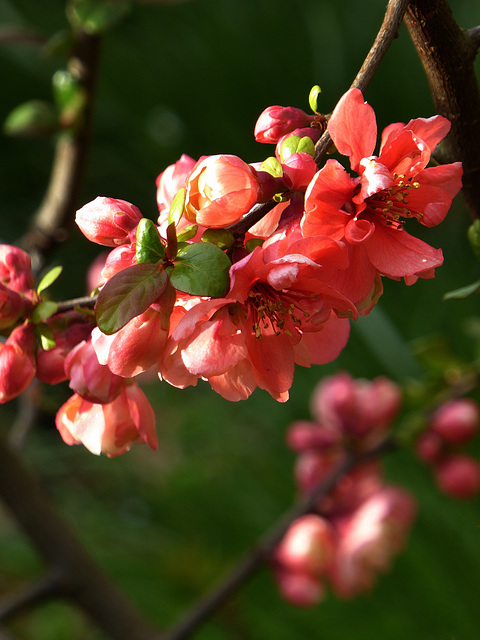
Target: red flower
[369,211]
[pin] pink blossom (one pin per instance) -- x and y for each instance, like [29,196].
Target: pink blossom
[274,122]
[299,589]
[13,306]
[298,171]
[368,212]
[369,538]
[88,378]
[17,362]
[278,312]
[108,221]
[108,428]
[219,191]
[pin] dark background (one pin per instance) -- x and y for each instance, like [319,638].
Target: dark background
[192,77]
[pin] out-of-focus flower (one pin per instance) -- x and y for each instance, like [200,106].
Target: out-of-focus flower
[109,428]
[219,191]
[458,475]
[456,421]
[368,540]
[16,269]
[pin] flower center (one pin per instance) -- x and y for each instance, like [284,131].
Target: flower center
[391,204]
[270,313]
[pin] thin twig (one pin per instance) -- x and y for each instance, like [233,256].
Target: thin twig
[386,35]
[261,553]
[86,302]
[30,595]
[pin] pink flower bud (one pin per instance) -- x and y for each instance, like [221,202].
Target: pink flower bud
[311,132]
[456,421]
[458,476]
[303,435]
[17,362]
[307,546]
[118,259]
[108,428]
[299,589]
[298,171]
[12,307]
[108,221]
[429,447]
[219,191]
[274,122]
[90,379]
[170,181]
[16,269]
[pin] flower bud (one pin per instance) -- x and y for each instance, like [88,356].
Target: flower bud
[458,476]
[17,362]
[16,269]
[219,191]
[298,171]
[108,221]
[274,122]
[299,589]
[456,421]
[307,546]
[12,307]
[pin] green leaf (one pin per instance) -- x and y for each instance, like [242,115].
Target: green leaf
[463,292]
[187,233]
[44,310]
[474,237]
[49,278]
[296,144]
[253,243]
[32,119]
[315,91]
[45,336]
[97,16]
[221,237]
[128,294]
[201,269]
[149,247]
[272,166]
[177,207]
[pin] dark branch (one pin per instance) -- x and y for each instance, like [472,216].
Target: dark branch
[261,553]
[51,222]
[386,35]
[447,54]
[31,595]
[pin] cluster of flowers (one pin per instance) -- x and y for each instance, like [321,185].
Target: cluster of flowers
[452,426]
[362,523]
[212,292]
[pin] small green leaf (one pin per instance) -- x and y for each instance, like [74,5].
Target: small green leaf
[296,144]
[463,292]
[272,166]
[221,237]
[187,233]
[252,243]
[45,336]
[97,16]
[201,269]
[177,207]
[149,247]
[474,237]
[32,119]
[44,310]
[315,91]
[49,278]
[128,294]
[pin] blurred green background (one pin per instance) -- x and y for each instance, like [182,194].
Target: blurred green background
[192,77]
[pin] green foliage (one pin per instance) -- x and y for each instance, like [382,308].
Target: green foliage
[221,237]
[201,269]
[149,247]
[128,294]
[315,91]
[96,17]
[32,119]
[296,144]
